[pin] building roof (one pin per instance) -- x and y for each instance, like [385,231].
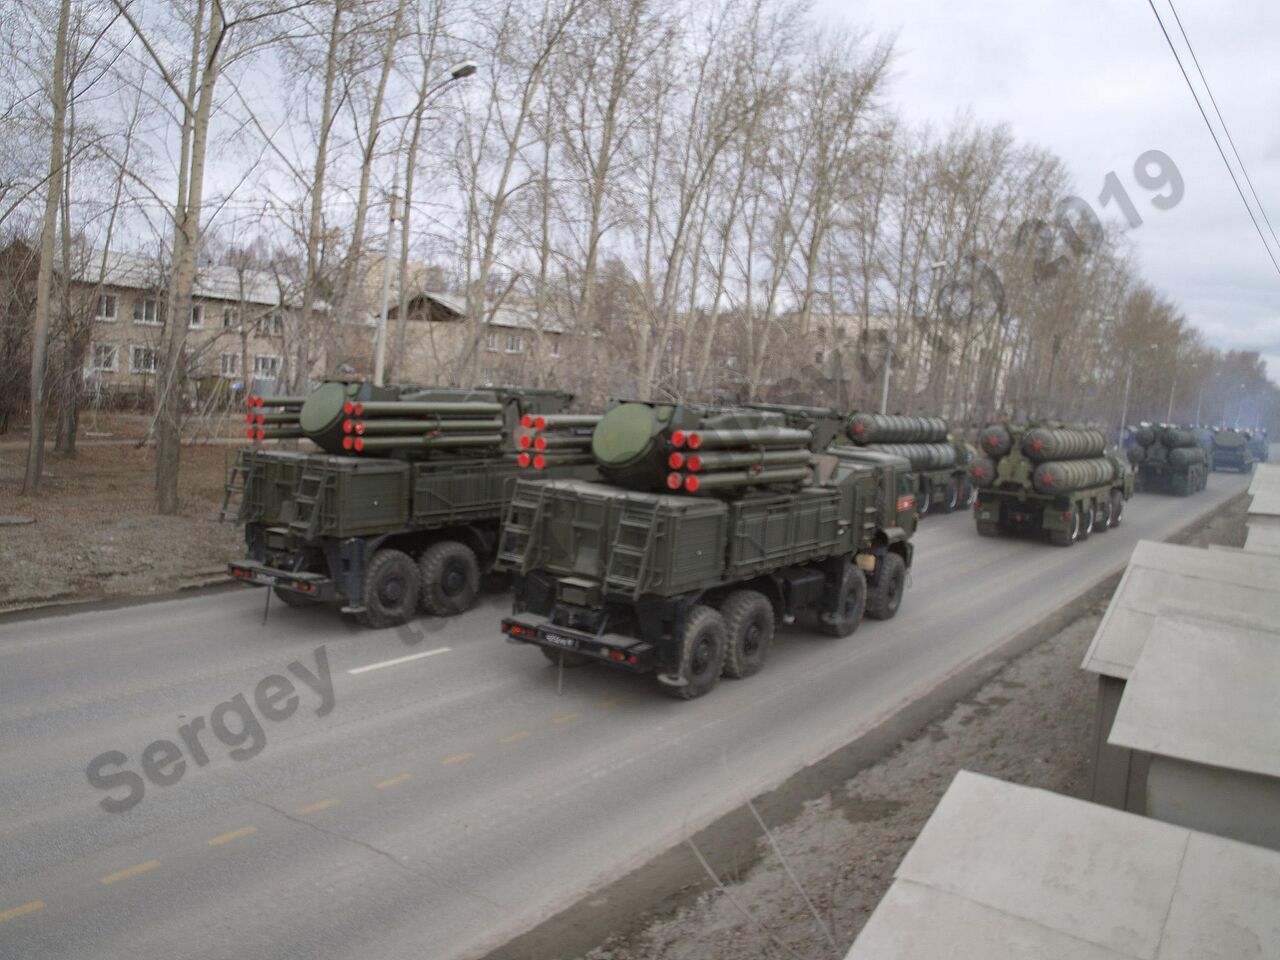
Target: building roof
[1205,692]
[213,281]
[510,314]
[1008,871]
[1163,579]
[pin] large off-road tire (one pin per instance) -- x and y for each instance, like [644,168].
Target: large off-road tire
[1065,538]
[1117,507]
[748,619]
[390,590]
[969,493]
[702,648]
[885,596]
[850,607]
[292,598]
[988,528]
[1104,520]
[950,496]
[1088,519]
[450,578]
[571,659]
[924,499]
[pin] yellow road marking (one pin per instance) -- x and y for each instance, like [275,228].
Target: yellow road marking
[315,807]
[516,737]
[22,911]
[566,718]
[233,835]
[130,872]
[394,781]
[456,758]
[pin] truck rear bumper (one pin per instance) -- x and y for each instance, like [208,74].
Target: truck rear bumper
[313,585]
[612,648]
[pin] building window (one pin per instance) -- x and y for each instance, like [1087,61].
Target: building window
[231,364]
[142,360]
[274,324]
[147,312]
[491,341]
[265,367]
[555,346]
[106,357]
[515,343]
[197,316]
[106,308]
[230,317]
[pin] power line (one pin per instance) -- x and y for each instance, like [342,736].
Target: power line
[1213,133]
[1222,120]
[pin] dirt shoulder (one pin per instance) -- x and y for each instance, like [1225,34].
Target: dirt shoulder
[95,533]
[806,891]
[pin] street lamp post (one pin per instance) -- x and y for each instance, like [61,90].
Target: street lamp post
[458,71]
[1124,404]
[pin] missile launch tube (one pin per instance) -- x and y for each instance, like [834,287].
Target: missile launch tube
[393,408]
[1042,444]
[1064,476]
[723,480]
[723,439]
[730,459]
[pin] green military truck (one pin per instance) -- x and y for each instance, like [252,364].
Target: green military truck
[1048,478]
[1232,450]
[1168,459]
[939,461]
[400,509]
[1258,444]
[711,526]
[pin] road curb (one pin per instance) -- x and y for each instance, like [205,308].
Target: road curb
[730,843]
[63,608]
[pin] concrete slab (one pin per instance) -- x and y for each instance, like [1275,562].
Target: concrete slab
[1264,508]
[1263,539]
[1009,871]
[1266,476]
[1078,868]
[1240,588]
[1205,692]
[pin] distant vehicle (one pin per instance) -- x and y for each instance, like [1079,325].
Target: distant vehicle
[1258,444]
[1048,478]
[1169,460]
[939,461]
[711,526]
[401,511]
[1232,450]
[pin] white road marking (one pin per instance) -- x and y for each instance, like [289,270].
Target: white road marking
[398,660]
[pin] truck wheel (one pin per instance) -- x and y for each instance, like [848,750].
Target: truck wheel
[1065,538]
[925,498]
[1104,520]
[1087,520]
[571,659]
[701,655]
[390,590]
[1117,507]
[291,598]
[885,597]
[748,620]
[951,497]
[450,578]
[850,606]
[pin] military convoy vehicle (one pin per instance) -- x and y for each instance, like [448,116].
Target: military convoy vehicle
[1232,450]
[710,527]
[1168,460]
[1258,444]
[939,461]
[400,509]
[1048,478]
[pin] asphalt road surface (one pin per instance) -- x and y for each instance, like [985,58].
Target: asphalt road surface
[432,795]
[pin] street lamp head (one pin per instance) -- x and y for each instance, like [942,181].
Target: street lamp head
[462,70]
[939,265]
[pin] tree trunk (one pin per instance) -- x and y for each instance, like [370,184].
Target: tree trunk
[44,275]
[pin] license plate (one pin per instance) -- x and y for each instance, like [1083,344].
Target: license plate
[556,640]
[265,578]
[984,515]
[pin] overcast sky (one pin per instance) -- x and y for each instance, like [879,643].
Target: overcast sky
[1094,81]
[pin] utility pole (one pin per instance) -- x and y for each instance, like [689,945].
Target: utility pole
[1053,364]
[380,351]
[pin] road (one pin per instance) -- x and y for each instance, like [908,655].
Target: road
[443,803]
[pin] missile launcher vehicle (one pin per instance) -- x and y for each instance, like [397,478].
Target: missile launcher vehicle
[1048,478]
[1169,460]
[1232,450]
[709,527]
[1258,444]
[399,509]
[939,461]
